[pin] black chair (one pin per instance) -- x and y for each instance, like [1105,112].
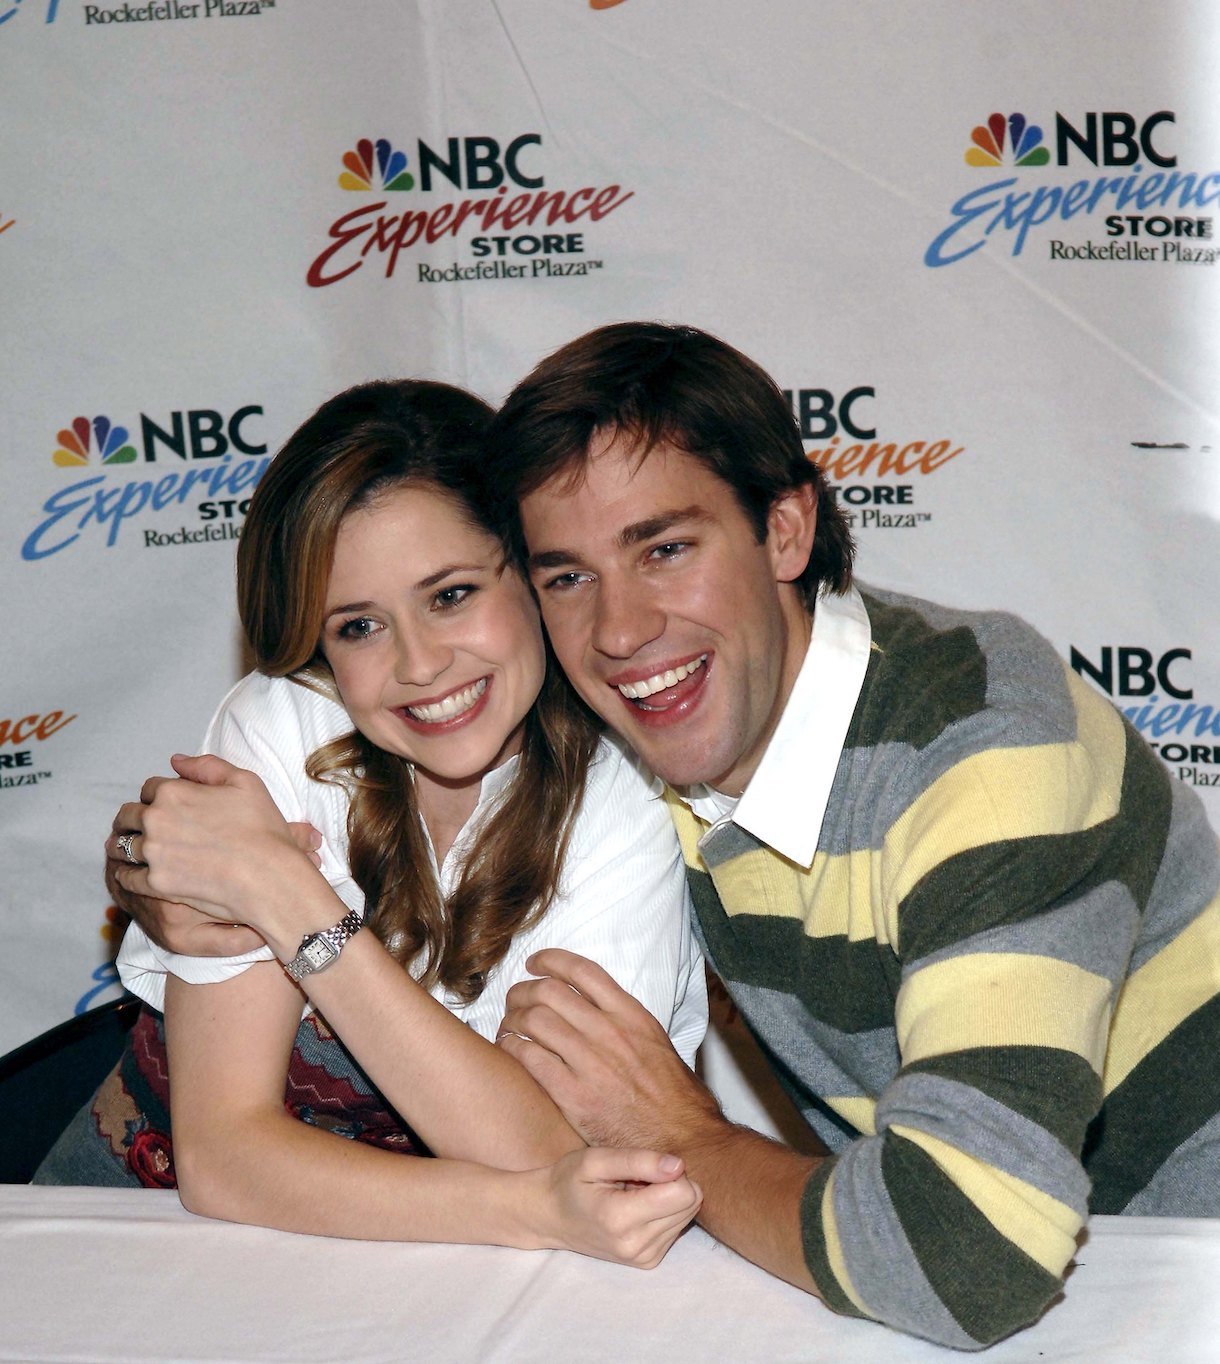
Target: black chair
[44,1082]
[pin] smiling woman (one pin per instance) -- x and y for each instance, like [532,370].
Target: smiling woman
[440,669]
[469,813]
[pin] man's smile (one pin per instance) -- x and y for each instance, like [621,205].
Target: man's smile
[670,677]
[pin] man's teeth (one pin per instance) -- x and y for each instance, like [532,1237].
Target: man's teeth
[637,691]
[453,704]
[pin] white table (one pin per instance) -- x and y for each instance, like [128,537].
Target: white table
[104,1274]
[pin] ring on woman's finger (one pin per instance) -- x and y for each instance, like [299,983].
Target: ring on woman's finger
[124,842]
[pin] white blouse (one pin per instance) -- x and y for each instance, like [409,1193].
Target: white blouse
[622,898]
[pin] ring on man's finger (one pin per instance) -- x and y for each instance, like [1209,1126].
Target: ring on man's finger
[124,842]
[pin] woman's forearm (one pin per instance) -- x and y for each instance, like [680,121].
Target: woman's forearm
[270,1169]
[466,1098]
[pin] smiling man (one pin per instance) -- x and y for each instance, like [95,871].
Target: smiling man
[970,918]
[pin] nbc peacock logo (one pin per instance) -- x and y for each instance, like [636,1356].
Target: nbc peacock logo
[109,442]
[1024,143]
[375,165]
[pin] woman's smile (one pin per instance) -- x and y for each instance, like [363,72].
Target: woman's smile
[459,707]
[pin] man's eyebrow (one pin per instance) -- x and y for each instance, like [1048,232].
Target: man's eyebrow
[634,534]
[640,531]
[552,558]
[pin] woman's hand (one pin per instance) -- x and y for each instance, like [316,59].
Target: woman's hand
[624,1206]
[213,841]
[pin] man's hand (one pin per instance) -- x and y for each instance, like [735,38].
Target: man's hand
[605,1061]
[174,926]
[608,1065]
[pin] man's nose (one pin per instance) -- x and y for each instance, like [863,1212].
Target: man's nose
[625,620]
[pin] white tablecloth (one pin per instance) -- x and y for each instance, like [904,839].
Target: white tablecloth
[104,1274]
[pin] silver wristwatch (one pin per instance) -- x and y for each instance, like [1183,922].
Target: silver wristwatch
[318,950]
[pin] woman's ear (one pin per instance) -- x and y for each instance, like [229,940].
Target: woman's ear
[791,524]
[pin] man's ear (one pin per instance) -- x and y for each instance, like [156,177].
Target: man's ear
[791,524]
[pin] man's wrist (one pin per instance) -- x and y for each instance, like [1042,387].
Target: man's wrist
[698,1136]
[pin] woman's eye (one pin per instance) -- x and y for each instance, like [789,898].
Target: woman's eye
[360,627]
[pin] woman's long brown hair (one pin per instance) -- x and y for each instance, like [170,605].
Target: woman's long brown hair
[356,447]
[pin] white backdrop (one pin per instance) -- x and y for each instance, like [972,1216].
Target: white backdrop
[207,227]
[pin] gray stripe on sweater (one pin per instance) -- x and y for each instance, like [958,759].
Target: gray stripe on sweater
[1186,1185]
[825,1060]
[983,1127]
[1188,878]
[1095,932]
[877,1253]
[727,841]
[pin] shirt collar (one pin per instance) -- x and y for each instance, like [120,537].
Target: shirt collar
[497,779]
[785,801]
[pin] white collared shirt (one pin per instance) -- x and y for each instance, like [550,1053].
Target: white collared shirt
[622,898]
[785,800]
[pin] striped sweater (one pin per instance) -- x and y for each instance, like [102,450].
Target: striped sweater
[998,982]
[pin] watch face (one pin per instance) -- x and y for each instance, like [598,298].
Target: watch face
[318,953]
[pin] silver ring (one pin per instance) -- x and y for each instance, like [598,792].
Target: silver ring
[124,842]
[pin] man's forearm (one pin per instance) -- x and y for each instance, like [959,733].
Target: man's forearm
[752,1188]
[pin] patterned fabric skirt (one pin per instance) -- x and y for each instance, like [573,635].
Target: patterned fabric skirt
[122,1136]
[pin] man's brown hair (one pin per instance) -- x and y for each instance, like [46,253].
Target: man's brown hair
[655,383]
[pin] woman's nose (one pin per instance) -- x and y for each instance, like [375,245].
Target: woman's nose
[421,657]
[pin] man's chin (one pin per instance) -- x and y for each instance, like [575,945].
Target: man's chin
[671,751]
[681,769]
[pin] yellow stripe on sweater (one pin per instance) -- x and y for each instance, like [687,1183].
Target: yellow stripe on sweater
[834,1247]
[838,887]
[1004,794]
[1003,999]
[1169,987]
[1032,1220]
[831,898]
[858,1109]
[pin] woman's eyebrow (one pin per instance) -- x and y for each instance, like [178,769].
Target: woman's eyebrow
[441,573]
[343,610]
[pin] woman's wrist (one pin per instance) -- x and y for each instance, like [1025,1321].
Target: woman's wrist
[296,900]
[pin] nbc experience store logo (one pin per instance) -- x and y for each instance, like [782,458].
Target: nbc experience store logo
[1149,215]
[217,458]
[506,190]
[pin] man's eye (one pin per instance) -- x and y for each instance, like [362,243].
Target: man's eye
[564,581]
[670,549]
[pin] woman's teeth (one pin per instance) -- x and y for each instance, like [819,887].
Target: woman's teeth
[637,691]
[454,704]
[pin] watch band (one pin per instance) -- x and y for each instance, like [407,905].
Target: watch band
[318,950]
